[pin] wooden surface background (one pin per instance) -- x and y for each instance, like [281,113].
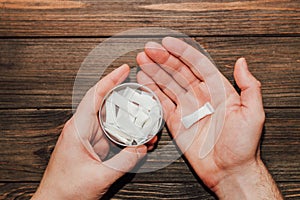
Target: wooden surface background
[43,43]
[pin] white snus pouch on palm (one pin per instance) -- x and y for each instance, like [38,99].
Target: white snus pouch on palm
[131,114]
[202,112]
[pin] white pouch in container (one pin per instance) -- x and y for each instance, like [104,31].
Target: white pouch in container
[131,114]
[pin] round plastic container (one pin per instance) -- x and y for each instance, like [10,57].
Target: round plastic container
[131,114]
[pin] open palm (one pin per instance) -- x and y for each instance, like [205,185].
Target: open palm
[184,80]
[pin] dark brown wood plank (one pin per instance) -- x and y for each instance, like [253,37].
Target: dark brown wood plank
[28,137]
[105,18]
[40,73]
[143,191]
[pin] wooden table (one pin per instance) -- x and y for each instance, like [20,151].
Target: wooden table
[43,43]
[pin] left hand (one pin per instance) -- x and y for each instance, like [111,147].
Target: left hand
[77,169]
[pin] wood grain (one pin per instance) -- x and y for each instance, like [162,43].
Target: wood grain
[40,73]
[40,4]
[105,18]
[29,136]
[143,191]
[44,42]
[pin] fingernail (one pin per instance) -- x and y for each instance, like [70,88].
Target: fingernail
[167,40]
[153,45]
[140,54]
[244,63]
[124,65]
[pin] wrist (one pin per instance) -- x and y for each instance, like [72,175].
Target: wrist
[238,181]
[45,195]
[47,192]
[251,181]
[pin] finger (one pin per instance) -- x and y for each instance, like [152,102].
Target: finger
[152,141]
[86,121]
[168,85]
[101,148]
[151,144]
[91,101]
[150,148]
[250,87]
[167,105]
[97,136]
[122,163]
[200,65]
[100,144]
[178,70]
[219,87]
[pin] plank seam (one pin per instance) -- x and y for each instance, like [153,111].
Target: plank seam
[147,36]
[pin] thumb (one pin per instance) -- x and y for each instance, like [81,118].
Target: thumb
[123,162]
[251,98]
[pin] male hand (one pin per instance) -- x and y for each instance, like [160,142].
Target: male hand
[222,149]
[77,169]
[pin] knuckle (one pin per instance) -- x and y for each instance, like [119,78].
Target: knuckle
[68,127]
[261,117]
[69,123]
[258,83]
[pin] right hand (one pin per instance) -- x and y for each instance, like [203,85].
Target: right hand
[176,72]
